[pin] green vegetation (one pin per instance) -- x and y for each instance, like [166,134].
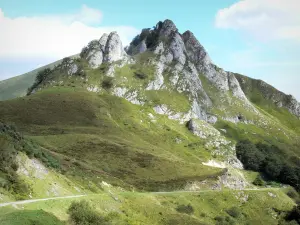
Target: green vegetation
[270,160]
[9,180]
[153,208]
[234,212]
[118,147]
[188,209]
[29,217]
[107,83]
[18,86]
[294,214]
[224,220]
[82,213]
[11,144]
[265,96]
[40,77]
[132,162]
[259,181]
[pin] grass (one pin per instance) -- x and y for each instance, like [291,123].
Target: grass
[261,94]
[175,101]
[88,128]
[151,208]
[29,217]
[17,86]
[96,137]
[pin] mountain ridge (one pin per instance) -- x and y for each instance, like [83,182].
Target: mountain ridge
[180,55]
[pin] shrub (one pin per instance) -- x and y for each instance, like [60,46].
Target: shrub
[249,155]
[152,39]
[84,52]
[294,214]
[107,83]
[144,33]
[136,40]
[222,220]
[234,212]
[82,213]
[293,195]
[139,75]
[40,77]
[258,181]
[188,209]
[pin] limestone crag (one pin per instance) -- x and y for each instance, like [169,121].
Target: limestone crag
[185,60]
[108,49]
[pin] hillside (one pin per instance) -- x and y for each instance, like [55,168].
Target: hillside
[154,133]
[17,86]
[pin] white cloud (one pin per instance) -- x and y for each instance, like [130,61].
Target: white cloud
[54,36]
[264,19]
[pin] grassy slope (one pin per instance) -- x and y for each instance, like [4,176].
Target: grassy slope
[17,86]
[256,91]
[100,131]
[255,207]
[101,137]
[272,125]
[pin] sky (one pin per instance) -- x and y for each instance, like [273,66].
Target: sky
[257,38]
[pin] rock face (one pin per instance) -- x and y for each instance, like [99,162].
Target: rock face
[108,49]
[185,61]
[201,129]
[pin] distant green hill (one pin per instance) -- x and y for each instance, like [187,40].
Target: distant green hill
[17,86]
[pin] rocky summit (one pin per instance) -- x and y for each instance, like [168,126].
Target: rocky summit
[150,133]
[180,63]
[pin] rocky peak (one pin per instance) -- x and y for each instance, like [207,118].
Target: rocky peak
[166,28]
[195,50]
[108,48]
[113,49]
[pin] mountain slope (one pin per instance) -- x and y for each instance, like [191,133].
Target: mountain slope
[156,116]
[17,86]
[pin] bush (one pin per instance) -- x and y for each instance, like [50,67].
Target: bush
[107,83]
[220,220]
[294,214]
[152,39]
[139,75]
[135,41]
[234,212]
[258,181]
[249,155]
[188,209]
[293,195]
[40,77]
[82,213]
[33,150]
[84,52]
[271,161]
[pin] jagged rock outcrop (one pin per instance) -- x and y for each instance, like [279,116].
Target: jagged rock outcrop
[108,49]
[185,60]
[202,129]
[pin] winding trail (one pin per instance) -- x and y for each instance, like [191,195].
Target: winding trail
[39,200]
[157,193]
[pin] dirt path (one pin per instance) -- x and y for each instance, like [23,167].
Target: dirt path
[38,200]
[158,193]
[247,189]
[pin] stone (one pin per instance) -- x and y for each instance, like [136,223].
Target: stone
[113,49]
[108,48]
[166,28]
[202,129]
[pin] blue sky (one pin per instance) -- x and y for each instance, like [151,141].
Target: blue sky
[252,37]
